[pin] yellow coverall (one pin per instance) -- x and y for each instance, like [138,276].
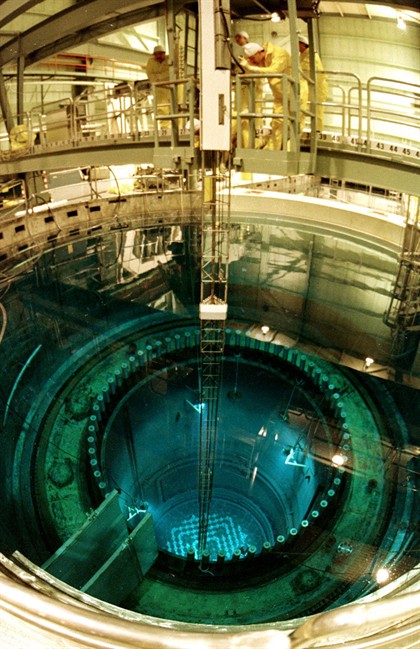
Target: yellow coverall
[321,85]
[159,71]
[277,60]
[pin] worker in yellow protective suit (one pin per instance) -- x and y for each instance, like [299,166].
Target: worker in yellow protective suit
[157,69]
[321,80]
[270,59]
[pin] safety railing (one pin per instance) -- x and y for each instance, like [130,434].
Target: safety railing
[393,103]
[253,124]
[311,110]
[127,111]
[76,185]
[355,117]
[178,115]
[387,203]
[345,101]
[73,63]
[368,111]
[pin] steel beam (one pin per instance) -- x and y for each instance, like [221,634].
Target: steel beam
[4,105]
[106,15]
[11,9]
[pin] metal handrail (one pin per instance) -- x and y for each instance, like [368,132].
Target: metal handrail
[104,114]
[176,116]
[348,105]
[342,106]
[289,120]
[393,91]
[100,65]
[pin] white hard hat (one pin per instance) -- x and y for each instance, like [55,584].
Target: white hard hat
[196,125]
[303,39]
[243,34]
[158,48]
[252,48]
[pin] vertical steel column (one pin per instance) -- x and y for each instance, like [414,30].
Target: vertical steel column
[173,71]
[19,93]
[4,104]
[313,96]
[171,35]
[295,88]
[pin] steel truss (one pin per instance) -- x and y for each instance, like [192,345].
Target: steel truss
[213,312]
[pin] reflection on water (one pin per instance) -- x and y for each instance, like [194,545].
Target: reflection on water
[70,329]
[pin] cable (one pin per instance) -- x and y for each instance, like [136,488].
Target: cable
[51,213]
[229,43]
[4,323]
[90,182]
[19,376]
[6,290]
[116,215]
[9,279]
[116,181]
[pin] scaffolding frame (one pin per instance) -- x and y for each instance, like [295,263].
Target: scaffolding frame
[213,312]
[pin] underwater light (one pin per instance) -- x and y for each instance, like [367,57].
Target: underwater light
[382,575]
